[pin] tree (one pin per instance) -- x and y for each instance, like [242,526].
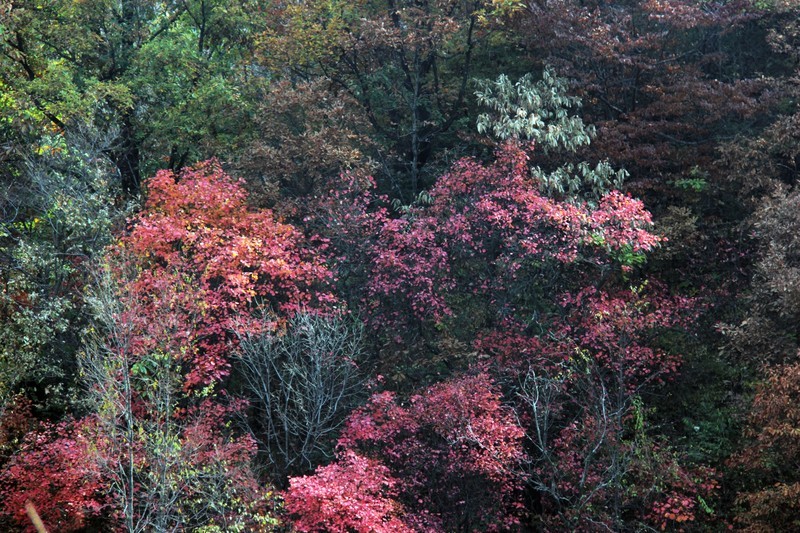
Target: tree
[352,494]
[58,214]
[768,333]
[164,74]
[455,449]
[485,234]
[667,83]
[489,239]
[660,78]
[307,134]
[540,112]
[194,263]
[52,470]
[768,499]
[408,65]
[196,226]
[303,381]
[595,462]
[167,456]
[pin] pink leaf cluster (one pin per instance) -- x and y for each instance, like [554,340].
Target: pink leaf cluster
[456,448]
[484,231]
[353,494]
[196,230]
[54,471]
[624,222]
[618,329]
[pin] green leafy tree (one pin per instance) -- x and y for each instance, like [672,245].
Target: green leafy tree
[57,215]
[164,73]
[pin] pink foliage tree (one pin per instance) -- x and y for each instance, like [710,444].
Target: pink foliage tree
[53,471]
[196,230]
[353,494]
[484,232]
[455,450]
[618,330]
[595,464]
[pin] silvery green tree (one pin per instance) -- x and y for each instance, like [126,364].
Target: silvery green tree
[55,215]
[543,112]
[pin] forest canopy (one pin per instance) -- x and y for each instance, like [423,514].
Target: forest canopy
[399,265]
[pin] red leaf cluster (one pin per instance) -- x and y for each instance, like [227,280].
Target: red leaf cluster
[54,471]
[454,450]
[618,330]
[484,231]
[353,494]
[197,232]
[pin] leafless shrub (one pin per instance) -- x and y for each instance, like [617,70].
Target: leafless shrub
[303,382]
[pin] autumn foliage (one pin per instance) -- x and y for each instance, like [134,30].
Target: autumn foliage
[483,231]
[54,471]
[196,232]
[772,454]
[456,448]
[352,494]
[399,265]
